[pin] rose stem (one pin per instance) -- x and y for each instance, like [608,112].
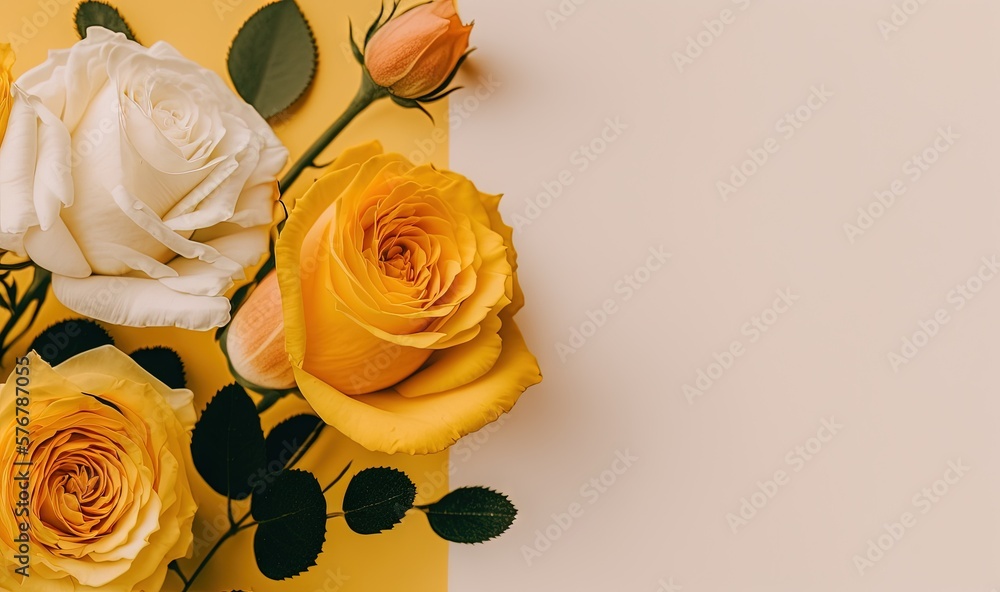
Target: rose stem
[313,437]
[235,528]
[368,93]
[272,397]
[36,294]
[338,478]
[177,570]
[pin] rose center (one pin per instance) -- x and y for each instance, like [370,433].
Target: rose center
[172,124]
[397,262]
[79,482]
[82,494]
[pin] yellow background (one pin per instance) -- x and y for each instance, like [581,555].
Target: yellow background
[410,557]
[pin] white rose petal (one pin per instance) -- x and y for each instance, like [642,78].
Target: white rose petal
[140,180]
[137,301]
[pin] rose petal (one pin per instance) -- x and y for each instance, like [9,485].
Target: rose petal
[198,278]
[389,422]
[114,363]
[137,302]
[456,366]
[17,169]
[143,216]
[396,47]
[56,250]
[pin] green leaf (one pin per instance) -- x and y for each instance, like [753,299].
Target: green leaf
[99,14]
[289,437]
[273,59]
[291,530]
[471,515]
[163,363]
[377,499]
[68,338]
[228,444]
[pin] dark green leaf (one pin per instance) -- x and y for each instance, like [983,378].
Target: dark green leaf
[99,14]
[163,363]
[291,530]
[377,499]
[228,444]
[471,515]
[273,59]
[68,338]
[288,438]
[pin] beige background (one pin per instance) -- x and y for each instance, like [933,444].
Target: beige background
[663,524]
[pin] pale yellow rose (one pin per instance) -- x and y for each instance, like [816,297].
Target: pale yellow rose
[107,501]
[6,63]
[399,288]
[415,53]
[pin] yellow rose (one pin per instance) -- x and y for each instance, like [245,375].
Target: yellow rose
[399,289]
[107,500]
[415,53]
[6,63]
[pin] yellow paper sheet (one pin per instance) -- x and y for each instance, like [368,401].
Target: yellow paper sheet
[410,557]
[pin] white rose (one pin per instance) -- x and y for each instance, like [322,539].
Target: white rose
[140,180]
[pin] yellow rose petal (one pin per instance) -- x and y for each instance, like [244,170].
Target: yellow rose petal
[388,422]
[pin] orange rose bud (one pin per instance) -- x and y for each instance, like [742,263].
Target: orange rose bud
[255,341]
[416,53]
